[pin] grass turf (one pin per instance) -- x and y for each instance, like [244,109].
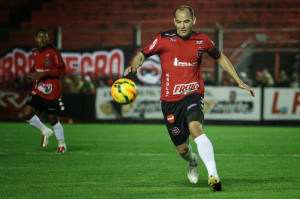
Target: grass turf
[139,161]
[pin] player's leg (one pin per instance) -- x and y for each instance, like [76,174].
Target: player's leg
[179,134]
[185,151]
[195,118]
[206,152]
[59,132]
[32,104]
[53,109]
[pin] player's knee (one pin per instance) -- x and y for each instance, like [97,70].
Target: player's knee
[27,114]
[195,128]
[52,119]
[182,150]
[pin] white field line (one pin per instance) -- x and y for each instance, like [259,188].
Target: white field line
[146,154]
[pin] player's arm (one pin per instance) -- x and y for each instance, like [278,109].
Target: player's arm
[137,62]
[224,62]
[60,70]
[32,73]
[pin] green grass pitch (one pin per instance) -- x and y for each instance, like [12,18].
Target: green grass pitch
[140,161]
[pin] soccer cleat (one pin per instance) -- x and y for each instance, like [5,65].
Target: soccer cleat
[61,148]
[215,183]
[192,174]
[45,137]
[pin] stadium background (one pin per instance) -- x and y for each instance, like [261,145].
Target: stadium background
[120,160]
[259,36]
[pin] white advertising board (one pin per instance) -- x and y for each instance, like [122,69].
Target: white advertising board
[220,103]
[146,106]
[232,103]
[281,104]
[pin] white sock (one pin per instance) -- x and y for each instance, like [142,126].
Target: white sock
[36,122]
[190,157]
[206,152]
[59,132]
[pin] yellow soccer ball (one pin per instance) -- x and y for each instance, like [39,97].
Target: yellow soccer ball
[124,91]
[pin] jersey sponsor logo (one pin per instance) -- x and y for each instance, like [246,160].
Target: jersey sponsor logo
[185,88]
[153,44]
[178,63]
[41,70]
[173,40]
[175,130]
[45,88]
[170,118]
[199,42]
[47,54]
[167,84]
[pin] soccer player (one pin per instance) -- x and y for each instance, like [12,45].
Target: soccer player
[45,73]
[182,88]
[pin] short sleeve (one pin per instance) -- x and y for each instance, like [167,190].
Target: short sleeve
[153,46]
[59,62]
[212,49]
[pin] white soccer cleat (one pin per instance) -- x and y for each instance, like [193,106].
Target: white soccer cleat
[45,137]
[192,174]
[61,148]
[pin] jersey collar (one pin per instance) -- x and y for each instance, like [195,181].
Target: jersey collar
[42,49]
[185,38]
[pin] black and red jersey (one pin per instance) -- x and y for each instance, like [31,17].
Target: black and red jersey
[180,62]
[49,61]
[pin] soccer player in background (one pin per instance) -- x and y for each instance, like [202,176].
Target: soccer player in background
[182,88]
[45,74]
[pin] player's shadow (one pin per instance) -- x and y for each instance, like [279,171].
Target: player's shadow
[71,148]
[80,148]
[233,182]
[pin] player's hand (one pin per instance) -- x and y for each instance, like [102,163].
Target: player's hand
[40,75]
[129,69]
[31,75]
[244,86]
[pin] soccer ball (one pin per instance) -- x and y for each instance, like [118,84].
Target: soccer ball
[124,91]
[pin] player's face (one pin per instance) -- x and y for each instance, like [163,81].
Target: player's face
[42,39]
[184,23]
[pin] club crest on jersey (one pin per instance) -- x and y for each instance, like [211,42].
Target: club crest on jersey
[173,40]
[47,54]
[47,63]
[199,54]
[170,118]
[175,130]
[199,42]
